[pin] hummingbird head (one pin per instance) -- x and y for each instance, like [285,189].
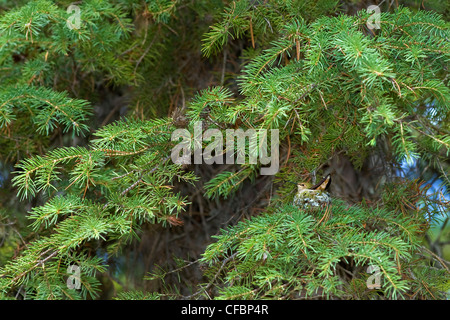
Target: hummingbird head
[303,186]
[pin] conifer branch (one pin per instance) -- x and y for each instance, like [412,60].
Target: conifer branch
[332,89]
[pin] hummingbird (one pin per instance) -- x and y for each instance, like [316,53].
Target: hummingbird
[314,197]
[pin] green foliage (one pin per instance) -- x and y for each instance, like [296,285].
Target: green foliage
[329,85]
[47,281]
[259,22]
[287,254]
[40,55]
[161,10]
[138,295]
[333,68]
[91,202]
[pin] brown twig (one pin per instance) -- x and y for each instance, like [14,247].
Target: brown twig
[214,279]
[40,262]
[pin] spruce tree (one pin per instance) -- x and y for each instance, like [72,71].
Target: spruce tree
[337,90]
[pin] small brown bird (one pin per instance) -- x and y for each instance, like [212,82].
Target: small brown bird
[314,197]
